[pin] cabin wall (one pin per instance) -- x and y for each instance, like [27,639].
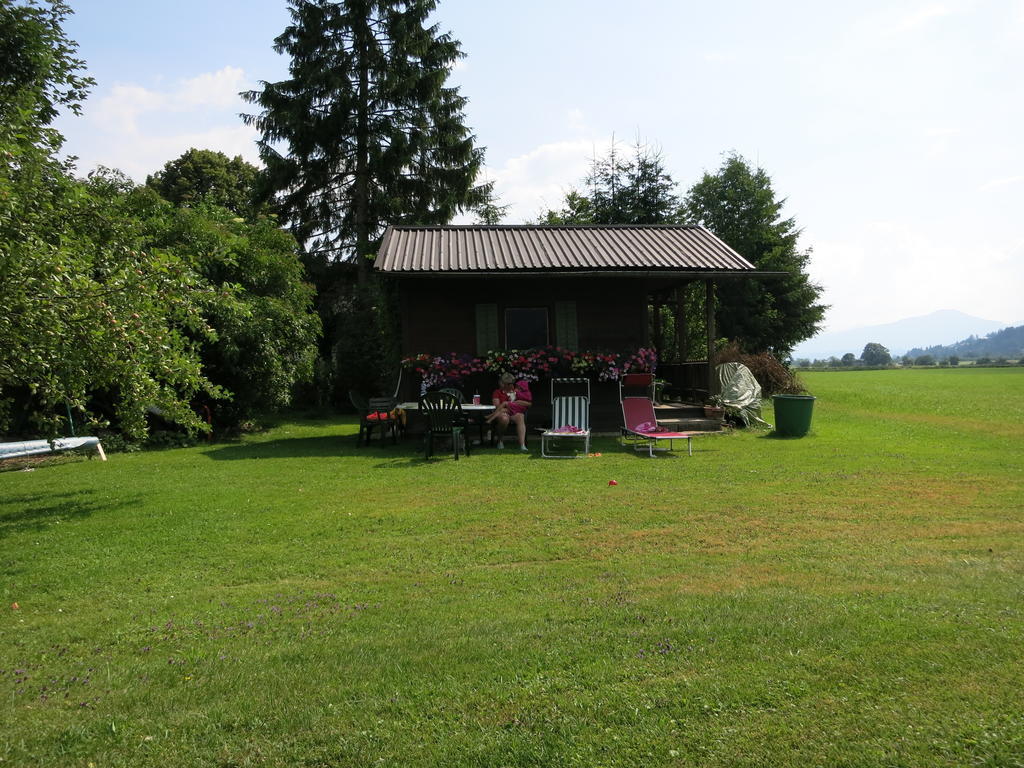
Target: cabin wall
[438,314]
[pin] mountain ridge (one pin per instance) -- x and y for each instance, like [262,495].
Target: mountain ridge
[942,327]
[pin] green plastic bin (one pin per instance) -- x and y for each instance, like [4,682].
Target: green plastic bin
[793,414]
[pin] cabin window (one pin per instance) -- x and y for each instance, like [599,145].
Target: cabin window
[486,328]
[526,327]
[566,330]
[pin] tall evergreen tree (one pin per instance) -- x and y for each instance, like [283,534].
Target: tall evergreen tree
[738,204]
[487,208]
[621,190]
[364,132]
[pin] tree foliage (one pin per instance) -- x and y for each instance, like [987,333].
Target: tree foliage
[875,354]
[205,176]
[85,309]
[265,328]
[88,310]
[39,72]
[113,299]
[487,208]
[1007,342]
[632,189]
[364,132]
[739,205]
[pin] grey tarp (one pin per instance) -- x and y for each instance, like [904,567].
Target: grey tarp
[741,393]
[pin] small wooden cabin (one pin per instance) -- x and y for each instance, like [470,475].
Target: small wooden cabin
[473,289]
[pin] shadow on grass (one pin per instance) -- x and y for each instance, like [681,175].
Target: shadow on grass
[312,447]
[25,512]
[773,435]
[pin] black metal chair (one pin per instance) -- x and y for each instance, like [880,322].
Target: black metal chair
[443,414]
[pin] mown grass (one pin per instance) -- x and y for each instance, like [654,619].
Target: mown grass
[850,598]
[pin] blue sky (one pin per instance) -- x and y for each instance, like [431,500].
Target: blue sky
[893,129]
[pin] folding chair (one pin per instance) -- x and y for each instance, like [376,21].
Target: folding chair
[570,418]
[640,424]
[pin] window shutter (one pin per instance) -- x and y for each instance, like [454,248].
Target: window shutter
[566,333]
[486,328]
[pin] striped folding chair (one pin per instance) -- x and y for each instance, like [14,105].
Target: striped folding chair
[570,421]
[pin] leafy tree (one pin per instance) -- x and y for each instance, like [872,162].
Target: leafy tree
[924,360]
[85,309]
[205,176]
[39,75]
[875,354]
[265,327]
[739,205]
[848,360]
[953,360]
[371,133]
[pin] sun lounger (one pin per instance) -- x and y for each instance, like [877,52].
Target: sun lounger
[640,425]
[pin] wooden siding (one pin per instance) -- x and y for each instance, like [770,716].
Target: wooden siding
[440,315]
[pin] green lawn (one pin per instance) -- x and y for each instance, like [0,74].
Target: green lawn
[855,597]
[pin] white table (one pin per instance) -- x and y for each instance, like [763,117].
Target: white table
[466,407]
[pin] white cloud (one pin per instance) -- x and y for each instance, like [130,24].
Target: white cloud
[137,129]
[917,18]
[539,179]
[997,183]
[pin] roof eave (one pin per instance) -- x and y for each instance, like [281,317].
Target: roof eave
[670,273]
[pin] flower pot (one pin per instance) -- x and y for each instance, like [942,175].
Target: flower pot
[793,414]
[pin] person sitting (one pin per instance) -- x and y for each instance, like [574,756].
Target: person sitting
[511,402]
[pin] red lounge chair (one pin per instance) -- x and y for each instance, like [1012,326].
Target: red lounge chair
[640,426]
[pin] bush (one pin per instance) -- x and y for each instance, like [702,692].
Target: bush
[774,377]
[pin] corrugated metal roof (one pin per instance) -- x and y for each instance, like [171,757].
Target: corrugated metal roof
[528,248]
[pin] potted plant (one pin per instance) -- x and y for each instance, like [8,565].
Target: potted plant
[714,408]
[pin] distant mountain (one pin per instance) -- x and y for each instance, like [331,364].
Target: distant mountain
[1008,343]
[945,326]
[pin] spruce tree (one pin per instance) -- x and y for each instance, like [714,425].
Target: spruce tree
[621,190]
[364,132]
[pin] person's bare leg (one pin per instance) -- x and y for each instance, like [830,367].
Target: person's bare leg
[502,424]
[520,420]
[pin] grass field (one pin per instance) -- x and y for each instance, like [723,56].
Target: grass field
[853,598]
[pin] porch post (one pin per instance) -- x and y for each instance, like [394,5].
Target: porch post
[682,352]
[709,320]
[658,335]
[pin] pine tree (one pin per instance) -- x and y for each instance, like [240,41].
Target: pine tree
[364,132]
